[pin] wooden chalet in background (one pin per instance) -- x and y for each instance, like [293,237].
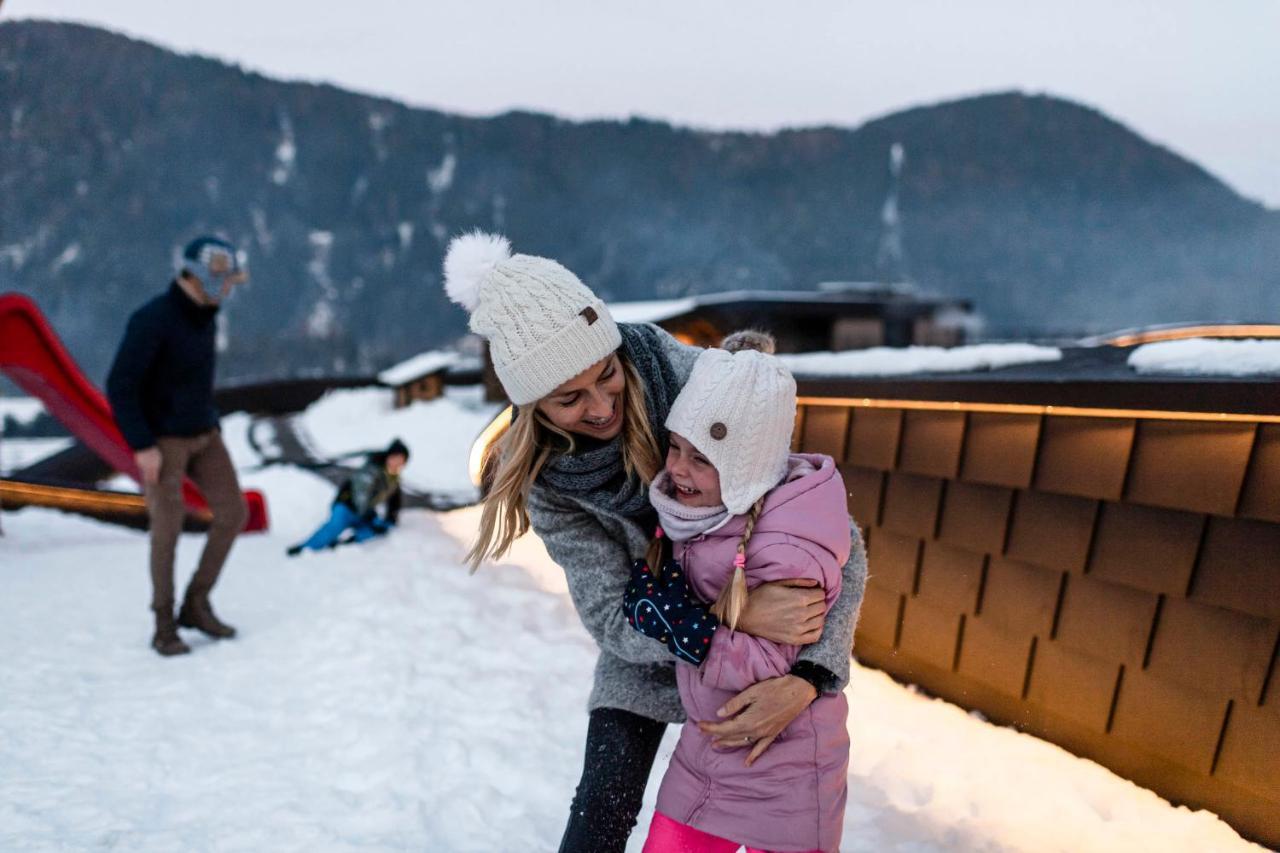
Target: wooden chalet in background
[836,316]
[419,378]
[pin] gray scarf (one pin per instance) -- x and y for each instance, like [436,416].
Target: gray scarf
[595,471]
[681,523]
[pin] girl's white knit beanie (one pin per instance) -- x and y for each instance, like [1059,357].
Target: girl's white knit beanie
[739,409]
[544,326]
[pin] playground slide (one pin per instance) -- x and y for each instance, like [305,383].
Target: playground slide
[35,359]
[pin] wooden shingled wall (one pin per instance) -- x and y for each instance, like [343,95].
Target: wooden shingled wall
[1110,584]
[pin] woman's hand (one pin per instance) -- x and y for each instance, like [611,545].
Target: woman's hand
[790,612]
[759,713]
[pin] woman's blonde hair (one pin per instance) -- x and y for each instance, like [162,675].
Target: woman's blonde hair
[512,464]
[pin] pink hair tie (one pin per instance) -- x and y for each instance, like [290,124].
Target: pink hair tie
[740,561]
[657,533]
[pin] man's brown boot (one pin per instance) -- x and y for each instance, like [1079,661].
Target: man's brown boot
[197,613]
[166,640]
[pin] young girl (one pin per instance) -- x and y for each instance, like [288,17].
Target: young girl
[738,509]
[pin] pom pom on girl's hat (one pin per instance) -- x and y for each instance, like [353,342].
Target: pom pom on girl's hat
[738,409]
[544,326]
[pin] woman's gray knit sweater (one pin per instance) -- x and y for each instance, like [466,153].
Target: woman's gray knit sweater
[596,546]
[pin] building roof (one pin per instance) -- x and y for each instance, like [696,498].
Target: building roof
[1086,377]
[1182,331]
[651,311]
[828,295]
[417,367]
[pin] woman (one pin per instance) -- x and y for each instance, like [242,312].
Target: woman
[591,399]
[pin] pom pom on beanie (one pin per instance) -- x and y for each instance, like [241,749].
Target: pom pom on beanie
[469,260]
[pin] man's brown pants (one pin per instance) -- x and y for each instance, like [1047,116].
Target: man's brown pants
[204,457]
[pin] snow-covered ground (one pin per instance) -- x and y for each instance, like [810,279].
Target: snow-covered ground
[18,453]
[900,361]
[380,698]
[365,419]
[24,410]
[1208,357]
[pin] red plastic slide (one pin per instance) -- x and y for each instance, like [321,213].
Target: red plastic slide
[35,359]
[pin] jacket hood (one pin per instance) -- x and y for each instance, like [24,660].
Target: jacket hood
[811,504]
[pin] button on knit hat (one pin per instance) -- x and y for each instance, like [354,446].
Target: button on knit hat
[544,326]
[739,408]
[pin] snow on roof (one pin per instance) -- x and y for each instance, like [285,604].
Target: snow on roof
[650,311]
[1209,357]
[420,365]
[657,310]
[900,361]
[830,296]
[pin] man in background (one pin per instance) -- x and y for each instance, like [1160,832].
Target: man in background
[161,391]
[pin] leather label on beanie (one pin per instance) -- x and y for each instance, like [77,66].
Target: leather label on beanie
[719,431]
[590,314]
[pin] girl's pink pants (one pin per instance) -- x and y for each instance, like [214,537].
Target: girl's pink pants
[670,836]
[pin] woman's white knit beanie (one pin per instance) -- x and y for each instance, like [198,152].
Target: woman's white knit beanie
[544,326]
[738,409]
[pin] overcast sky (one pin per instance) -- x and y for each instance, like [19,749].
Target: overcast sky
[1200,77]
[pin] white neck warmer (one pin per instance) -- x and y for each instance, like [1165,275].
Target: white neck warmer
[681,523]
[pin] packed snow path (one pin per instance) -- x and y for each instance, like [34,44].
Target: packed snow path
[380,698]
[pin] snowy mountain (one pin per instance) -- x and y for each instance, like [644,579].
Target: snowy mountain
[112,152]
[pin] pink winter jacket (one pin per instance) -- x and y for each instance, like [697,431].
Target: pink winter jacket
[793,797]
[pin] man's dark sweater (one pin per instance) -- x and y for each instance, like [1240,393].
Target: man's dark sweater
[161,383]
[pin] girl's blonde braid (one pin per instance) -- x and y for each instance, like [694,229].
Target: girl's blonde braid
[733,598]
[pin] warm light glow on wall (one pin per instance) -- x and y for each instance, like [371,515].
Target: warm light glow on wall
[1185,332]
[1019,409]
[490,434]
